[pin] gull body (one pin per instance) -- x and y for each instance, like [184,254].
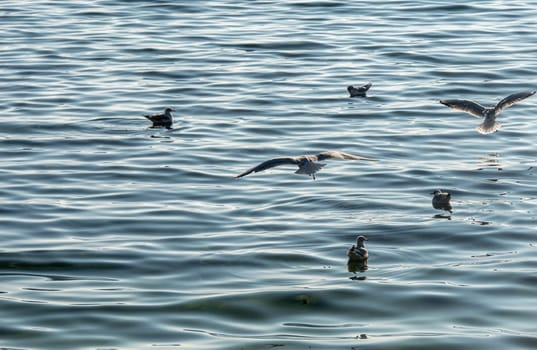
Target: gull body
[358,252]
[307,164]
[441,200]
[358,91]
[162,119]
[490,124]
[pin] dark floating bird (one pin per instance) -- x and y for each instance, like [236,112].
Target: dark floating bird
[490,124]
[307,164]
[358,253]
[162,119]
[441,200]
[359,91]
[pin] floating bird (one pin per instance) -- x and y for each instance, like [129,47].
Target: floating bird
[359,91]
[357,253]
[163,119]
[307,164]
[490,124]
[441,200]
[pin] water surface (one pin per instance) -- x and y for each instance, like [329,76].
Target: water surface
[119,236]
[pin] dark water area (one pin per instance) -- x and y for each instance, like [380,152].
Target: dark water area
[115,235]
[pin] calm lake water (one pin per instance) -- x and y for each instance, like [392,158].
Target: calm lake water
[115,235]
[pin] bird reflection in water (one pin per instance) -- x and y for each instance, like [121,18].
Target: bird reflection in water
[491,160]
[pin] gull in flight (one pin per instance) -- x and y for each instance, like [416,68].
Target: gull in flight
[490,124]
[359,91]
[162,119]
[307,164]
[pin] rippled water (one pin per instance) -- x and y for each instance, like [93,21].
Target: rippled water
[120,236]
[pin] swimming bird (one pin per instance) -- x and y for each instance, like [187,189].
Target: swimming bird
[162,119]
[490,124]
[307,164]
[358,252]
[359,91]
[441,200]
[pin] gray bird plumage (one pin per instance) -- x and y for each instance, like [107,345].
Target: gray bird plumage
[358,252]
[358,91]
[162,119]
[489,125]
[307,164]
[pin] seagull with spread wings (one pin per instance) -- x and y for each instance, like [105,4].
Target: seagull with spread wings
[307,164]
[490,124]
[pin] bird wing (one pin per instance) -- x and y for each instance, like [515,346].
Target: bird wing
[340,155]
[512,99]
[470,107]
[156,117]
[365,87]
[270,164]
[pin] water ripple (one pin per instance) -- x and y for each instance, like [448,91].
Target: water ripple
[143,238]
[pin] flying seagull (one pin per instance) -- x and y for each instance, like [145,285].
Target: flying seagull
[307,164]
[162,119]
[490,124]
[359,91]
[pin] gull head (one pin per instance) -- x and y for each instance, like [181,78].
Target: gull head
[490,113]
[360,240]
[438,195]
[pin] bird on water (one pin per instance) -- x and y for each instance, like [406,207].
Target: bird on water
[490,124]
[358,91]
[441,200]
[162,119]
[307,164]
[358,253]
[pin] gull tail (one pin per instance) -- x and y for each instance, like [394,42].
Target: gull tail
[488,127]
[310,168]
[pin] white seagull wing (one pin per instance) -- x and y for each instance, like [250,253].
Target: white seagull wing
[470,107]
